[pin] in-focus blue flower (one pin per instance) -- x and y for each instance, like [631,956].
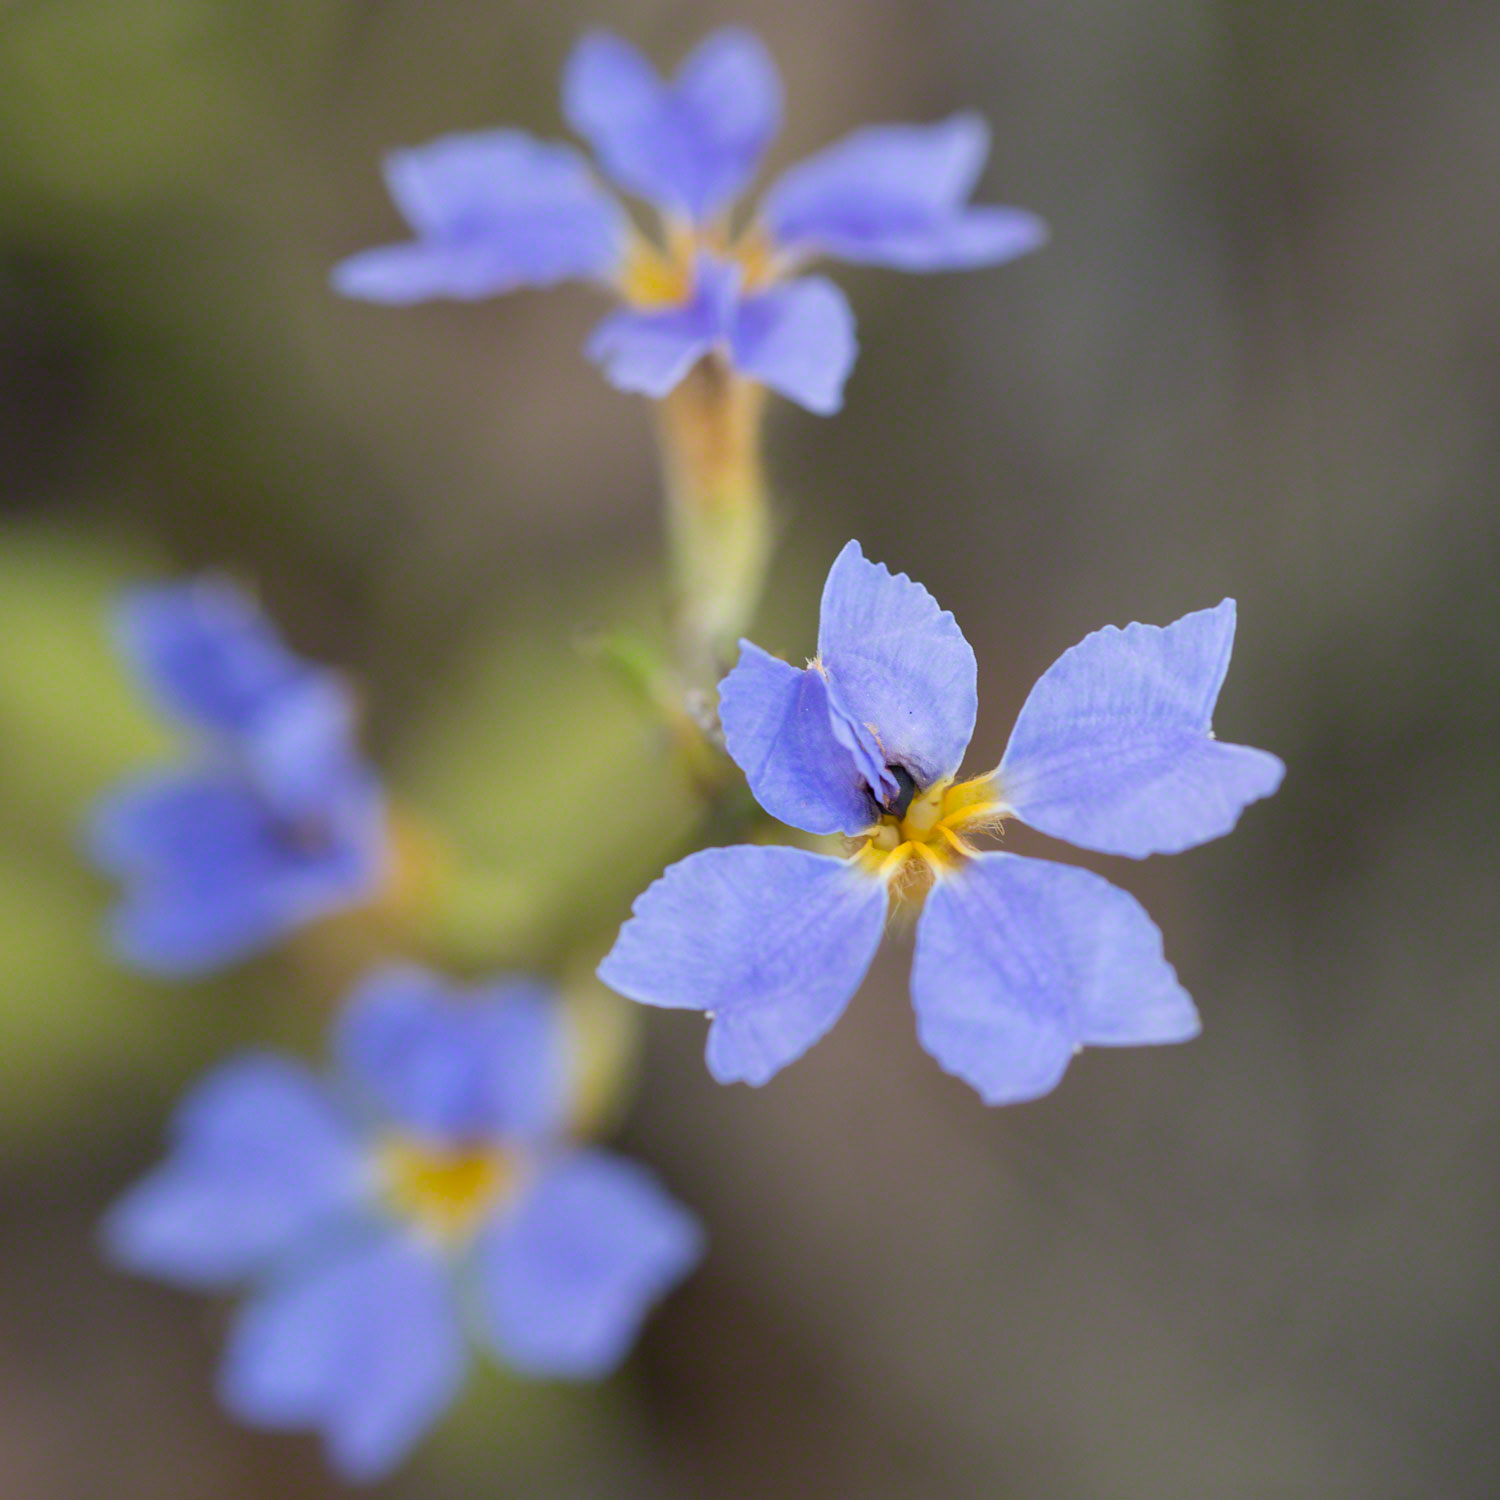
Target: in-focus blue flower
[496,210]
[422,1198]
[1019,962]
[272,821]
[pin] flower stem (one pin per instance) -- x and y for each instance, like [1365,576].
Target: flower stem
[718,517]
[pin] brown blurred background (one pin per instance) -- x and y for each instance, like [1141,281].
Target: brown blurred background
[1261,357]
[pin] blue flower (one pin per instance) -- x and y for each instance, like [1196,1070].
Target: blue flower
[1019,962]
[273,821]
[496,210]
[422,1198]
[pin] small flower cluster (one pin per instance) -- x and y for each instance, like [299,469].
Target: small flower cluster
[430,1193]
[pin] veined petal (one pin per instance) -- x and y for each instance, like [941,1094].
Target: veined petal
[898,666]
[363,1346]
[778,729]
[1113,748]
[452,1063]
[1020,962]
[569,1274]
[690,145]
[206,651]
[798,338]
[261,1159]
[896,195]
[771,943]
[493,210]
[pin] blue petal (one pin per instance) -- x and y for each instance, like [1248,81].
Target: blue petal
[650,351]
[456,1063]
[1113,749]
[162,820]
[492,211]
[213,875]
[570,1273]
[261,1159]
[896,195]
[364,1346]
[302,752]
[1020,962]
[898,666]
[798,338]
[207,652]
[689,146]
[779,729]
[771,943]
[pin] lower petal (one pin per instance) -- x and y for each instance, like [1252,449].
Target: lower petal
[262,1157]
[569,1276]
[365,1347]
[798,338]
[771,943]
[1021,962]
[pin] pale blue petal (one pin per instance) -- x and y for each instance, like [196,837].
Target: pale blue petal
[212,874]
[570,1273]
[302,752]
[690,145]
[1021,962]
[167,819]
[454,1062]
[261,1160]
[1113,749]
[771,943]
[648,352]
[778,728]
[896,195]
[206,651]
[363,1346]
[492,210]
[798,338]
[898,666]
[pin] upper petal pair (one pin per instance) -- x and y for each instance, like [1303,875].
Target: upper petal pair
[452,1064]
[689,145]
[894,685]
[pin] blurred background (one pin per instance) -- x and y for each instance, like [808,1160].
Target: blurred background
[1261,357]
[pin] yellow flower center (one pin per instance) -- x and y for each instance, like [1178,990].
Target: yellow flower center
[447,1192]
[908,850]
[653,276]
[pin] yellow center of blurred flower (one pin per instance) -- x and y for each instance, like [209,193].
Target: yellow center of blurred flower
[908,849]
[653,276]
[448,1192]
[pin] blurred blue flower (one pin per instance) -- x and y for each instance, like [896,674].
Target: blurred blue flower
[274,819]
[422,1198]
[1019,962]
[495,210]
